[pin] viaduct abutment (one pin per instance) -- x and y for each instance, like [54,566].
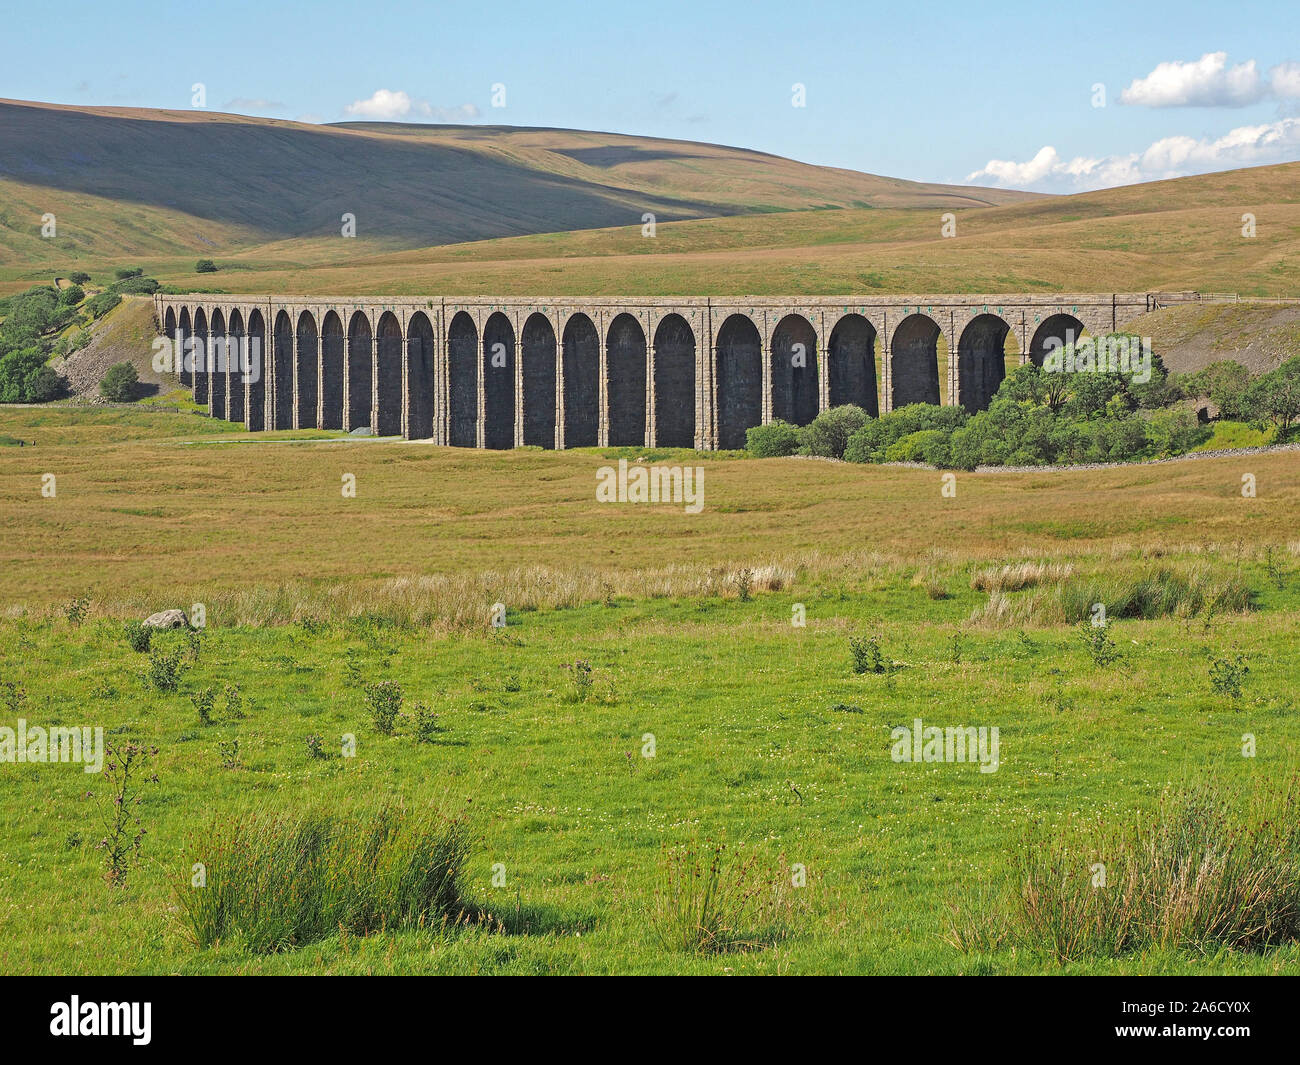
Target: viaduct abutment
[494,372]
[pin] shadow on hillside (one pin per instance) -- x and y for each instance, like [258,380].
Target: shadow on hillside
[295,181]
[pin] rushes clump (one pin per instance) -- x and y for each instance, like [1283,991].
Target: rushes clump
[1210,869]
[274,883]
[707,901]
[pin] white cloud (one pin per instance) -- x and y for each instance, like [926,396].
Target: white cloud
[1272,142]
[382,104]
[1205,82]
[386,105]
[1285,80]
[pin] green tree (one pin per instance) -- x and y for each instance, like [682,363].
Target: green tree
[119,383]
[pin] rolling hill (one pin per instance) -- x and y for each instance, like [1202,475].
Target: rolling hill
[138,182]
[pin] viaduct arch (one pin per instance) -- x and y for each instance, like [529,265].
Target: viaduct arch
[492,372]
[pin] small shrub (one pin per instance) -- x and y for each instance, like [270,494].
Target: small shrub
[234,701]
[828,434]
[426,724]
[79,277]
[1227,675]
[205,266]
[123,832]
[75,610]
[164,669]
[204,700]
[384,702]
[138,635]
[867,655]
[580,681]
[230,754]
[743,580]
[1097,642]
[775,440]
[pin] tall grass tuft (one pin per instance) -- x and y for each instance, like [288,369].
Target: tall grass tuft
[1068,599]
[707,901]
[271,883]
[1211,868]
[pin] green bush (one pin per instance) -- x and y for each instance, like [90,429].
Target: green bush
[119,383]
[72,295]
[136,286]
[103,303]
[79,277]
[25,377]
[828,434]
[772,441]
[870,442]
[915,446]
[205,266]
[138,635]
[126,272]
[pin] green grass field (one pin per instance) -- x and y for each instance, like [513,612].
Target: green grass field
[763,735]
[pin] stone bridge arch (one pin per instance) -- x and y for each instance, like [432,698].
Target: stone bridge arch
[794,370]
[333,363]
[498,382]
[358,382]
[256,395]
[580,381]
[740,379]
[539,372]
[237,379]
[851,364]
[914,361]
[626,381]
[462,373]
[387,418]
[306,387]
[421,348]
[674,382]
[1056,330]
[981,360]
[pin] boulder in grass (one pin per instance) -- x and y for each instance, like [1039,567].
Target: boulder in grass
[167,619]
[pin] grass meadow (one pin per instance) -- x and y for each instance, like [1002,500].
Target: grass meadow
[649,768]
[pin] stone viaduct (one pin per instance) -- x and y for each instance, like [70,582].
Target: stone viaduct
[691,372]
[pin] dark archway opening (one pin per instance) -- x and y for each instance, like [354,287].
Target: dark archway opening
[981,361]
[794,370]
[740,380]
[307,395]
[498,383]
[333,364]
[462,372]
[674,383]
[282,378]
[388,415]
[914,361]
[359,372]
[625,385]
[539,381]
[419,368]
[581,379]
[851,364]
[1058,331]
[256,418]
[237,348]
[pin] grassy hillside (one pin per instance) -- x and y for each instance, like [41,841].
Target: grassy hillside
[128,182]
[764,737]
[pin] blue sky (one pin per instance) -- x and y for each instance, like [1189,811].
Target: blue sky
[938,92]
